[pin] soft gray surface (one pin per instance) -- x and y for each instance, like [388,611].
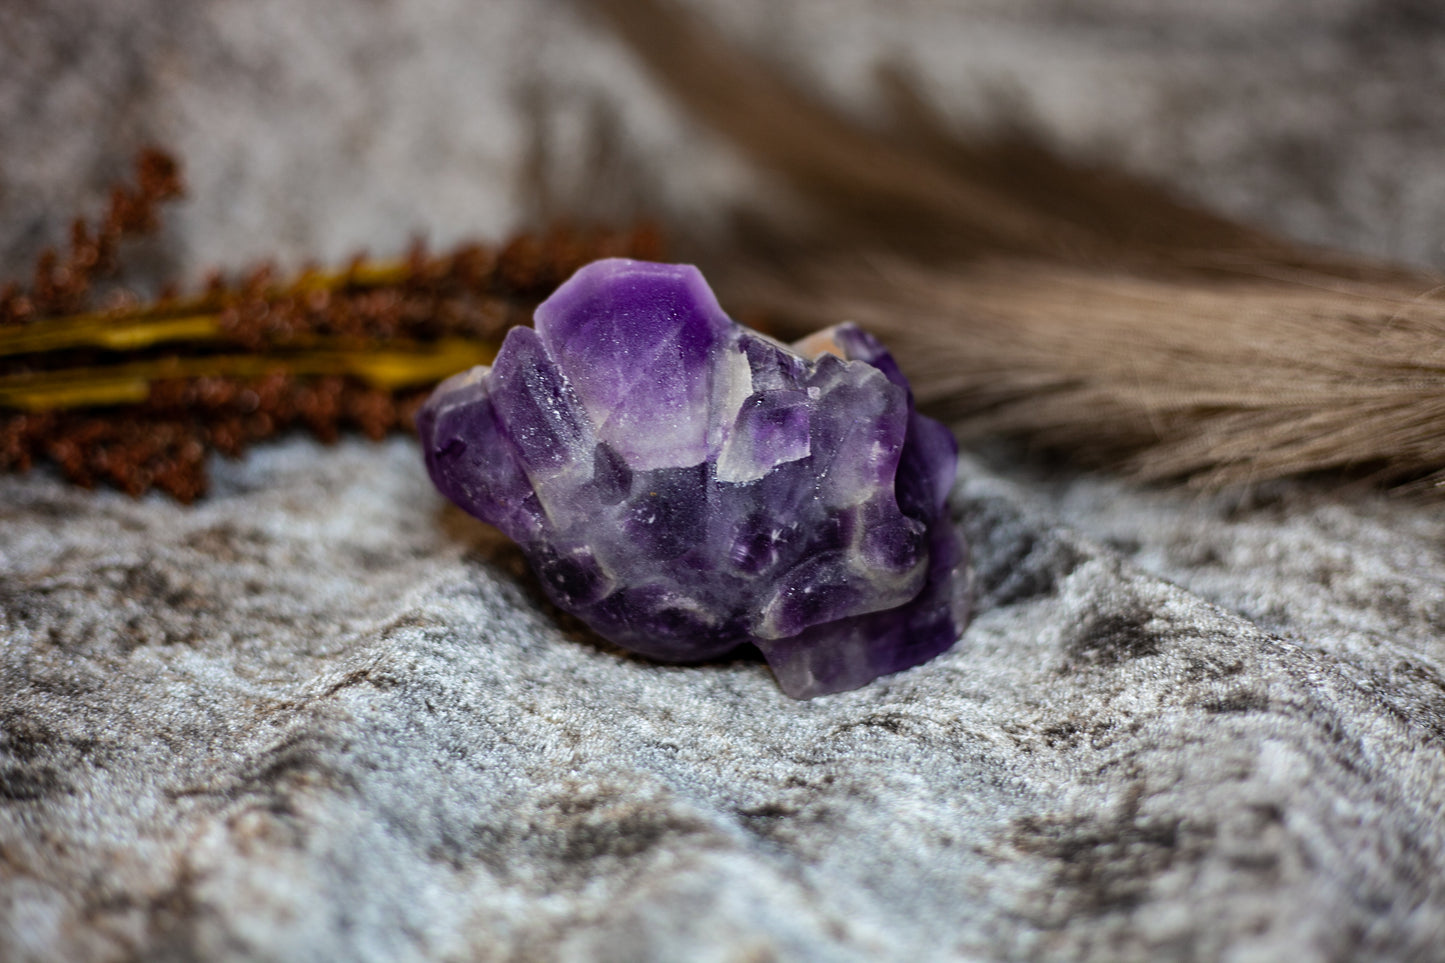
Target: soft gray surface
[322,716]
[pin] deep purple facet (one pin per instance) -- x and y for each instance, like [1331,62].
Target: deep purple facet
[686,485]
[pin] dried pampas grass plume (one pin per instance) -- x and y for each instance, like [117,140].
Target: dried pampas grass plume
[1220,382]
[1076,308]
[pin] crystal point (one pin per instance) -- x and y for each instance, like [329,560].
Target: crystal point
[686,486]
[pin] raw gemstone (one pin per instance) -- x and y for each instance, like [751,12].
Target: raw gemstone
[686,485]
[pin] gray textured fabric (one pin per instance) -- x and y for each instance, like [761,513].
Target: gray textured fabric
[324,716]
[321,715]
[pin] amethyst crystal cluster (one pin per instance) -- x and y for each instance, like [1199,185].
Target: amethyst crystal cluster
[686,485]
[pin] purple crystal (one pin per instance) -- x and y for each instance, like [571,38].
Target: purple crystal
[686,485]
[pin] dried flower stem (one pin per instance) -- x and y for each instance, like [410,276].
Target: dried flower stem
[130,383]
[171,320]
[137,395]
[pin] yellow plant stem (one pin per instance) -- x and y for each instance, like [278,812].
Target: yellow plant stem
[112,334]
[129,383]
[189,319]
